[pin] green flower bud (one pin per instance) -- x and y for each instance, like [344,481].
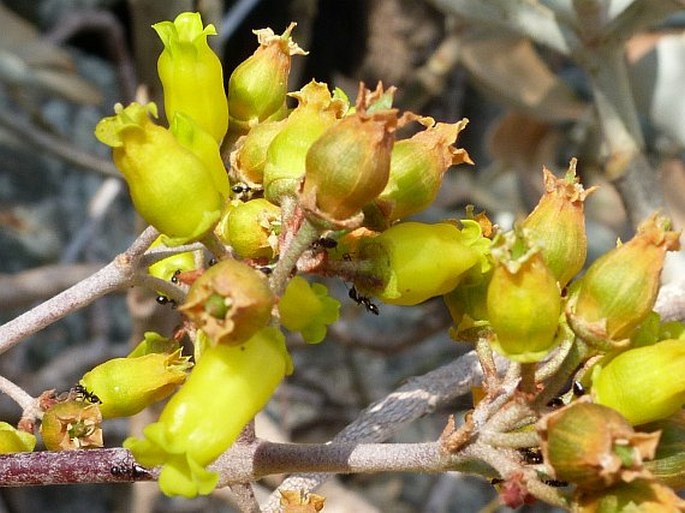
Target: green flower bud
[557,225]
[126,386]
[417,166]
[252,228]
[15,440]
[245,300]
[308,309]
[524,301]
[285,161]
[258,86]
[643,384]
[170,186]
[348,166]
[227,387]
[191,74]
[404,260]
[189,134]
[70,425]
[593,446]
[619,289]
[248,159]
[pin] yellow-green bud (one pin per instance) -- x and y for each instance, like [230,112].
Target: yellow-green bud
[70,425]
[643,384]
[467,303]
[189,134]
[245,297]
[227,387]
[417,166]
[249,155]
[285,160]
[524,301]
[348,166]
[557,225]
[619,289]
[166,268]
[126,386]
[307,309]
[593,446]
[15,440]
[169,185]
[642,495]
[416,261]
[258,86]
[191,74]
[252,228]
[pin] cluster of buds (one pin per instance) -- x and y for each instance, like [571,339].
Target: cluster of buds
[329,167]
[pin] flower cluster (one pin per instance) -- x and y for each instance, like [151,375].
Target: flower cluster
[327,188]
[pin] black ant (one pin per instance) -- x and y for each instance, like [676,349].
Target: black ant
[363,300]
[531,456]
[174,278]
[325,242]
[578,389]
[81,393]
[163,300]
[241,188]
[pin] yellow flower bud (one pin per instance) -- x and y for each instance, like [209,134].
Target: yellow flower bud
[643,384]
[227,387]
[230,302]
[191,74]
[417,166]
[619,289]
[285,160]
[15,440]
[258,86]
[252,228]
[557,225]
[593,446]
[348,166]
[126,386]
[524,301]
[169,185]
[71,424]
[416,261]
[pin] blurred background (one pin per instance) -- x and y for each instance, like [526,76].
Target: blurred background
[64,212]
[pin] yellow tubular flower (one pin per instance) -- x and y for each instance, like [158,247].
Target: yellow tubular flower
[126,386]
[404,260]
[227,387]
[643,384]
[170,186]
[191,73]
